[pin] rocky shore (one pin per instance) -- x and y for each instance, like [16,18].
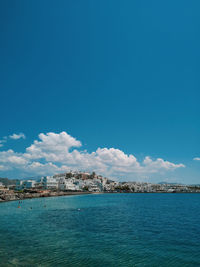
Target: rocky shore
[12,196]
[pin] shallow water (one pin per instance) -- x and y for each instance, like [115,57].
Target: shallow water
[102,230]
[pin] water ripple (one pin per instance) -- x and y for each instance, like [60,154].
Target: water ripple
[102,230]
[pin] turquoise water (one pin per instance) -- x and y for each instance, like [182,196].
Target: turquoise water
[102,230]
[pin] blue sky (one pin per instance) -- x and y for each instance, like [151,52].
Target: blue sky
[112,74]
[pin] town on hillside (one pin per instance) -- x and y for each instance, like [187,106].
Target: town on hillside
[83,182]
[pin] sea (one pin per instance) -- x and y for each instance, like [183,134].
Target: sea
[138,229]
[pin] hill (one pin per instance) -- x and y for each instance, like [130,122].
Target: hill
[6,181]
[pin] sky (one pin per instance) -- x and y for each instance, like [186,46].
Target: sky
[108,86]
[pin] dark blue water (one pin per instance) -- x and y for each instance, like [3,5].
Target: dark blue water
[108,230]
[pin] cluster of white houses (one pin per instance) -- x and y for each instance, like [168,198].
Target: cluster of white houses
[82,181]
[76,181]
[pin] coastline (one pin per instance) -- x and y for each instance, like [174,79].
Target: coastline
[24,196]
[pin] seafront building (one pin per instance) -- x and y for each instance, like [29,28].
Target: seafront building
[25,184]
[49,182]
[84,181]
[68,184]
[72,181]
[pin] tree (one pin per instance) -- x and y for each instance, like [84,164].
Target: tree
[92,176]
[85,188]
[68,175]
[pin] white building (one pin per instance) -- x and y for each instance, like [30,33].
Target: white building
[25,184]
[19,185]
[49,182]
[29,184]
[68,184]
[94,188]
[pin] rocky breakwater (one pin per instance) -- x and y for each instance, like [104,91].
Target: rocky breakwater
[10,195]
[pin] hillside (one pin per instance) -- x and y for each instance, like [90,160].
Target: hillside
[7,181]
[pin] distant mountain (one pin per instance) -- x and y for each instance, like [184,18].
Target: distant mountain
[6,181]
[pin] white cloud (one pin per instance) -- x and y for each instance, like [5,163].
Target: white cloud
[54,153]
[12,159]
[196,158]
[159,164]
[52,146]
[17,136]
[4,168]
[13,136]
[44,169]
[3,141]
